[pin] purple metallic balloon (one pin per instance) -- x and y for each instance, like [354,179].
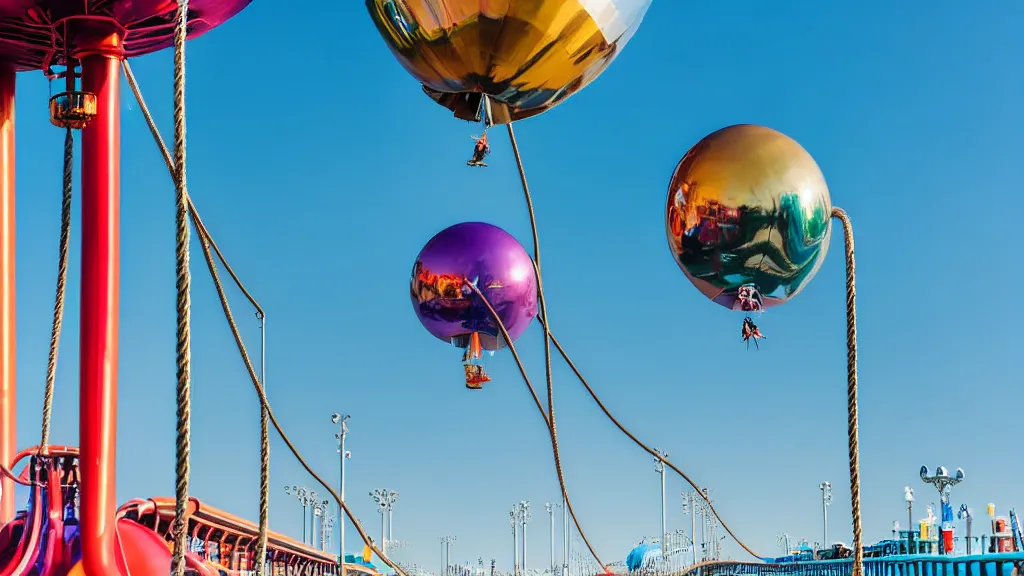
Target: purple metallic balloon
[488,257]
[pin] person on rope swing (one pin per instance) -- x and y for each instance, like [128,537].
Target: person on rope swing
[480,150]
[476,377]
[751,332]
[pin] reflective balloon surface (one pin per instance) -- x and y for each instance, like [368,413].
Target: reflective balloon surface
[527,55]
[492,259]
[748,206]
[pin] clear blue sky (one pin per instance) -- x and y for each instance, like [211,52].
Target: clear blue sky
[322,169]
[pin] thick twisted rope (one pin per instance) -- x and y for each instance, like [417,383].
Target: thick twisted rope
[645,447]
[264,452]
[851,389]
[193,211]
[542,308]
[229,316]
[183,285]
[207,243]
[533,393]
[62,282]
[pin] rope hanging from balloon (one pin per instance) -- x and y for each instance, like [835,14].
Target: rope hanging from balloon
[536,399]
[210,248]
[522,370]
[852,388]
[618,424]
[183,286]
[207,239]
[851,362]
[62,280]
[542,310]
[548,340]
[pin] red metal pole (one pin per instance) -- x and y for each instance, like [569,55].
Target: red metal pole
[8,389]
[100,303]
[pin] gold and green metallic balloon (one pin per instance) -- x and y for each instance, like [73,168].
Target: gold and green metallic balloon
[748,207]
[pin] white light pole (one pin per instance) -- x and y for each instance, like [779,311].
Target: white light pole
[448,547]
[525,515]
[966,515]
[566,541]
[659,467]
[513,521]
[342,421]
[319,517]
[306,497]
[690,506]
[551,519]
[446,551]
[328,524]
[908,495]
[385,500]
[826,501]
[784,541]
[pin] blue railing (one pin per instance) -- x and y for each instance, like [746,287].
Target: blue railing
[1002,564]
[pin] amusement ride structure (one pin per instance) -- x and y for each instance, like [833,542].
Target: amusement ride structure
[748,220]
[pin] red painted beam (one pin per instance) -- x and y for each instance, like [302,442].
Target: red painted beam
[100,53]
[8,388]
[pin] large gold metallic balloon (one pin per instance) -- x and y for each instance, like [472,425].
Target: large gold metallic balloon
[748,207]
[526,56]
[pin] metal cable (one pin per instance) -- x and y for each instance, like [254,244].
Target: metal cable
[62,282]
[542,308]
[183,284]
[851,388]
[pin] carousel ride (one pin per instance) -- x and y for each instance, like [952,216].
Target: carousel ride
[748,220]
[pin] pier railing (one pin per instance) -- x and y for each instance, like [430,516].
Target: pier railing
[1001,564]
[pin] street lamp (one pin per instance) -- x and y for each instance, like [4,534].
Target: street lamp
[385,500]
[305,497]
[513,521]
[342,421]
[908,496]
[965,514]
[783,540]
[566,540]
[944,483]
[525,515]
[319,511]
[551,519]
[328,524]
[446,548]
[659,467]
[826,501]
[690,507]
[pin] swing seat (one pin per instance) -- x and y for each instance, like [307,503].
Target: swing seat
[72,109]
[475,377]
